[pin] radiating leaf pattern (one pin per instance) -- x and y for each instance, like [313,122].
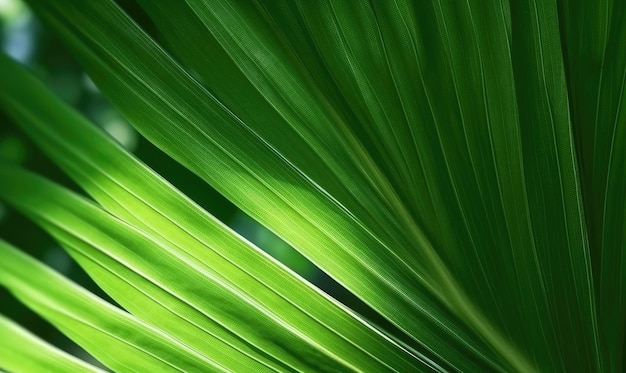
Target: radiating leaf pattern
[459,166]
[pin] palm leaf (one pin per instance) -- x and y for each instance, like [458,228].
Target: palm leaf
[451,164]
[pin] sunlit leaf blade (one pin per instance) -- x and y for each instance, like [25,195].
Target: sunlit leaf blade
[161,282]
[216,145]
[21,351]
[136,194]
[171,289]
[93,323]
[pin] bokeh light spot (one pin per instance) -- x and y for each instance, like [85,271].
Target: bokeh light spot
[9,9]
[19,32]
[122,132]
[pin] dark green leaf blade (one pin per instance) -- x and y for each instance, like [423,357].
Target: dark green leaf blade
[593,35]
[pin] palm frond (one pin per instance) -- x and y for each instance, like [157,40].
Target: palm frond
[459,167]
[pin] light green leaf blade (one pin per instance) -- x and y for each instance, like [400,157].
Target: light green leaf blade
[171,289]
[115,338]
[22,351]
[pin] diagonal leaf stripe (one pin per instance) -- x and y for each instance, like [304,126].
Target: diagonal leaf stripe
[91,322]
[22,351]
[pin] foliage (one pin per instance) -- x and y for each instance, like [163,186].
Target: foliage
[459,166]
